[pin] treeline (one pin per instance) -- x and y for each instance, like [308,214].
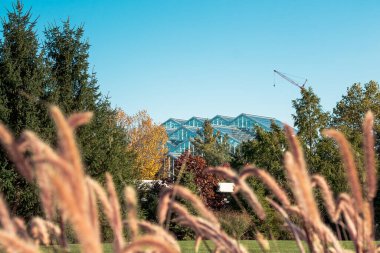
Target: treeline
[321,153]
[37,72]
[267,149]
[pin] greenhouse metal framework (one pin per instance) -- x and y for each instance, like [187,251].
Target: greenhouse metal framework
[238,129]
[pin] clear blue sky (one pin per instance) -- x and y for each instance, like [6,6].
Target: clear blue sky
[179,58]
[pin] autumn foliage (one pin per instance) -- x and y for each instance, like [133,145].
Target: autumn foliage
[206,182]
[146,141]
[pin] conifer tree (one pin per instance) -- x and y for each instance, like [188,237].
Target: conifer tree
[75,88]
[22,84]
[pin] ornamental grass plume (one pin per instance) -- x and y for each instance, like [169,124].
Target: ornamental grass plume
[67,191]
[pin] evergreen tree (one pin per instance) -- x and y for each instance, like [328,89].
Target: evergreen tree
[22,84]
[212,146]
[103,142]
[74,88]
[309,120]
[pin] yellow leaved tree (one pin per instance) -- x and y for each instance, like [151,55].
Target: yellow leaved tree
[146,140]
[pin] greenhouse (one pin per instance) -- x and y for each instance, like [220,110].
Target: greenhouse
[238,129]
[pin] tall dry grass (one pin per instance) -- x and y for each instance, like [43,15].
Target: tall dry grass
[66,190]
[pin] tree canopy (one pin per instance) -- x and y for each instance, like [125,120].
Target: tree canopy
[212,146]
[34,75]
[146,140]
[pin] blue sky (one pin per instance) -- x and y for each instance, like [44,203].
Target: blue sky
[179,58]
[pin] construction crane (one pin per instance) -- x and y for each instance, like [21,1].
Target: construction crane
[301,86]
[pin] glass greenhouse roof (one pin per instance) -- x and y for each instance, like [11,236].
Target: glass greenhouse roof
[239,129]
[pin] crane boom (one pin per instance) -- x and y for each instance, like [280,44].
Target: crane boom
[290,80]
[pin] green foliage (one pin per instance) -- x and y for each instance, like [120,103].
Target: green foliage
[22,83]
[149,196]
[309,120]
[347,117]
[234,223]
[32,77]
[265,151]
[73,88]
[212,146]
[350,110]
[272,226]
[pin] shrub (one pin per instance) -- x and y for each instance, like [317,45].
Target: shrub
[235,223]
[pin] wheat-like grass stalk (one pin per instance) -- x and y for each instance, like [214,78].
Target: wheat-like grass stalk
[130,199]
[268,180]
[186,194]
[64,186]
[39,231]
[263,242]
[369,156]
[349,164]
[207,230]
[5,218]
[160,232]
[15,154]
[21,229]
[149,241]
[116,221]
[13,243]
[242,187]
[327,195]
[296,170]
[297,232]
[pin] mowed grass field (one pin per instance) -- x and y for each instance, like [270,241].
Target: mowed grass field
[250,245]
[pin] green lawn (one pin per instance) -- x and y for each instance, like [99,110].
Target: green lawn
[251,246]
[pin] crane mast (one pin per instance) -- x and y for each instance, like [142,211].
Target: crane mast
[301,86]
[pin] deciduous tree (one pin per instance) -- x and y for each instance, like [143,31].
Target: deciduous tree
[309,120]
[265,151]
[206,183]
[146,140]
[212,145]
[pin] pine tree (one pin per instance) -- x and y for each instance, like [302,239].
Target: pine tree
[22,84]
[74,88]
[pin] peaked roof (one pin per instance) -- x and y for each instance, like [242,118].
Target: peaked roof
[197,118]
[226,118]
[181,121]
[261,120]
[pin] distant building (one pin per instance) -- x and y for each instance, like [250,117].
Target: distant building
[239,129]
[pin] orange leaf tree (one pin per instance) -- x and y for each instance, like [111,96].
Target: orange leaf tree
[146,140]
